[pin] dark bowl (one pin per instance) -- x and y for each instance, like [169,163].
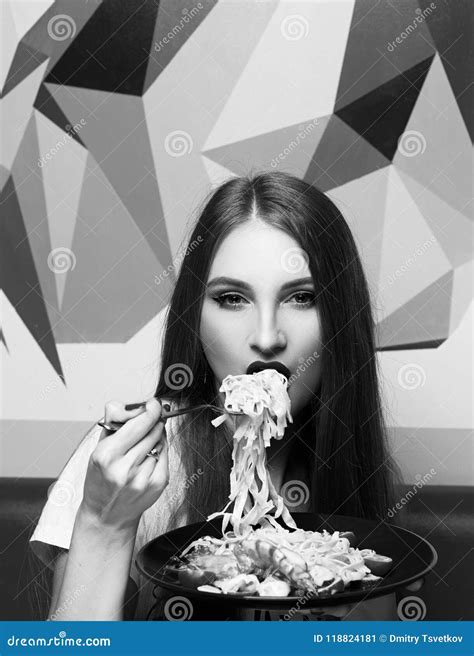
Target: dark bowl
[412,555]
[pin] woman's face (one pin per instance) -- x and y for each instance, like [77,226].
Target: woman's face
[267,312]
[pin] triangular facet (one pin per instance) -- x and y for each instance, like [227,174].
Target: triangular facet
[111,51]
[424,319]
[128,162]
[175,18]
[435,148]
[382,114]
[341,156]
[62,179]
[19,278]
[290,148]
[47,105]
[412,258]
[25,61]
[373,56]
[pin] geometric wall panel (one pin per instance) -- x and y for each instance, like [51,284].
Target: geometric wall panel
[93,121]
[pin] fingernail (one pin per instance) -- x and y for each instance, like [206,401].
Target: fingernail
[135,406]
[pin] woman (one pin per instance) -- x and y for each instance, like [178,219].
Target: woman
[276,276]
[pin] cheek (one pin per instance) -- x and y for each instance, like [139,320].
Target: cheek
[218,336]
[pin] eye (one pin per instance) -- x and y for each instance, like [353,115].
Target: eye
[306,299]
[229,301]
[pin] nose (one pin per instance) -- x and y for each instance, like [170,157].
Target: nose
[267,337]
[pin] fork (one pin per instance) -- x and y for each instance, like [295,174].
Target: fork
[113,426]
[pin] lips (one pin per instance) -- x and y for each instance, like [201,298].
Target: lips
[258,365]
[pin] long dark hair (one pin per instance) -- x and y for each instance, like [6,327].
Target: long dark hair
[341,431]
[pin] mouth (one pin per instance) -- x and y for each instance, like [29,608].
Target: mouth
[258,365]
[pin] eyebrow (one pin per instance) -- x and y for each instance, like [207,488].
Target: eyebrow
[224,280]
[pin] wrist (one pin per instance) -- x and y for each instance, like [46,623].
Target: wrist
[94,523]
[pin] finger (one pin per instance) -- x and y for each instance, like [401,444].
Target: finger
[155,438]
[117,411]
[145,471]
[416,585]
[134,429]
[161,472]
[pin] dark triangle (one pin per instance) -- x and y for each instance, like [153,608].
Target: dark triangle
[18,277]
[111,51]
[2,339]
[381,115]
[430,344]
[46,104]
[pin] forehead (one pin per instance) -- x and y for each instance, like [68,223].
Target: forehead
[258,250]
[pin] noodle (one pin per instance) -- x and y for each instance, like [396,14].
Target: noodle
[270,560]
[264,400]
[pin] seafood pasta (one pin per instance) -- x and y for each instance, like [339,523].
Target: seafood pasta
[260,556]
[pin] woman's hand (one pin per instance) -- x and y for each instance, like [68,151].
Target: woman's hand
[121,480]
